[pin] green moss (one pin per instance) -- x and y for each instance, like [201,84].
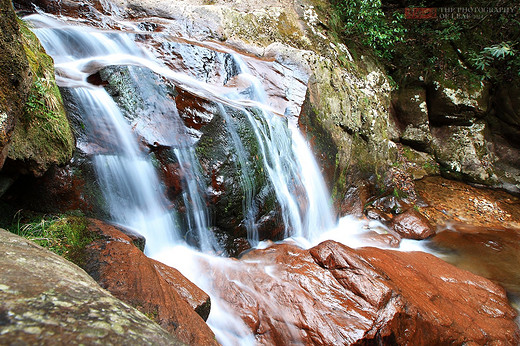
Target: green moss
[65,235]
[43,135]
[14,72]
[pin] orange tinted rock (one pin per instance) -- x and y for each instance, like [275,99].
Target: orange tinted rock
[444,304]
[159,291]
[335,295]
[449,200]
[412,225]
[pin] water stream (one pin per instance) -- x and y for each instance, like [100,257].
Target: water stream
[133,193]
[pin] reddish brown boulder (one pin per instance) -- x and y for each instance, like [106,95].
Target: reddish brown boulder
[334,295]
[159,291]
[412,225]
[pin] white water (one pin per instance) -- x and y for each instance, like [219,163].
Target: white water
[126,176]
[131,188]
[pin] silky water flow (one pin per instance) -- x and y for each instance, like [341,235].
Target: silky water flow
[132,191]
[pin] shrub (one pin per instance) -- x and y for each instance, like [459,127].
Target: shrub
[365,20]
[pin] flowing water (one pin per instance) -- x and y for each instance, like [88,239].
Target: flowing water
[125,169]
[133,193]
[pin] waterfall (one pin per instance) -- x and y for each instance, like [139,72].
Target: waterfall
[127,178]
[135,197]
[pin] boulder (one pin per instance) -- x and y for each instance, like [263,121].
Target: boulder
[456,104]
[45,299]
[410,107]
[465,152]
[418,137]
[412,225]
[155,289]
[332,295]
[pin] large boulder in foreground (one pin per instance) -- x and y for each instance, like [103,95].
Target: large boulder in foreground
[335,295]
[159,291]
[45,299]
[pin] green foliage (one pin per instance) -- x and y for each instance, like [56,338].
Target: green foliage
[42,103]
[65,235]
[459,49]
[366,20]
[497,58]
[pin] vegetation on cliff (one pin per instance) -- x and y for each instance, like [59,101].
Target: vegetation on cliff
[64,234]
[42,136]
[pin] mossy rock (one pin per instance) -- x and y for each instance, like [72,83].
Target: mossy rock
[42,136]
[14,75]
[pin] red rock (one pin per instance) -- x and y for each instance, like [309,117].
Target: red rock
[195,111]
[334,295]
[388,239]
[155,289]
[355,199]
[412,225]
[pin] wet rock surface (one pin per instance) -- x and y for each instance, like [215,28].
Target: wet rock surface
[201,143]
[159,291]
[332,294]
[491,253]
[45,299]
[412,225]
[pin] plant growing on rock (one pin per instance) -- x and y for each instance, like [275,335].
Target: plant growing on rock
[65,235]
[497,59]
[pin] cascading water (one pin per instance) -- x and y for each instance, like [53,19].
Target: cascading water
[122,172]
[133,194]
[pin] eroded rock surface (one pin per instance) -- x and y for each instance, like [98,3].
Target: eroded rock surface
[45,299]
[332,294]
[155,289]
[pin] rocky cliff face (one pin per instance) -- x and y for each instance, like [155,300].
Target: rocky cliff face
[341,103]
[462,126]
